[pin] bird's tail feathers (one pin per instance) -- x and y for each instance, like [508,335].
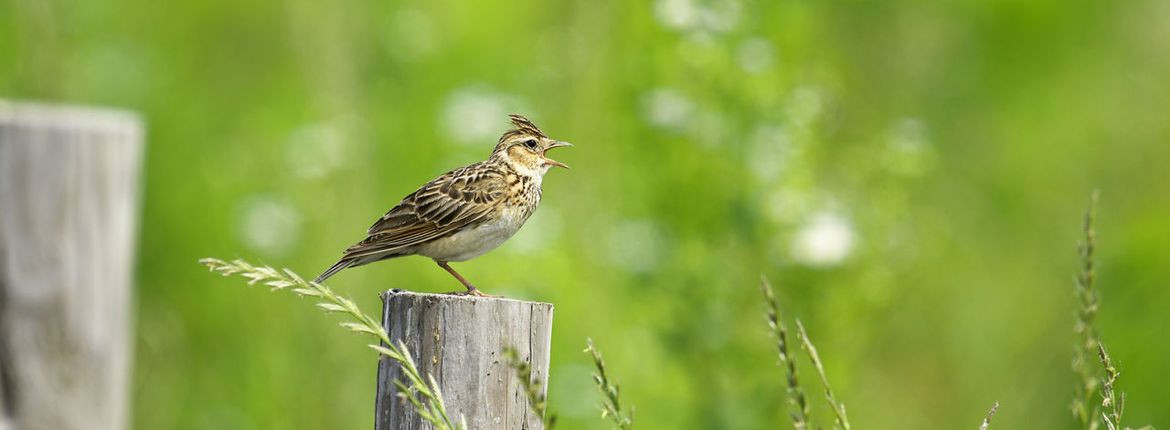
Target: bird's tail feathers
[354,260]
[345,262]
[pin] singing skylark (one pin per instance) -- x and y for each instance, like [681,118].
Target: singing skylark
[465,212]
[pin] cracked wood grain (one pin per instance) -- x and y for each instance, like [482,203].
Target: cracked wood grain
[68,219]
[460,341]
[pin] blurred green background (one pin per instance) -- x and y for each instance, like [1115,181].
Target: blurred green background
[910,174]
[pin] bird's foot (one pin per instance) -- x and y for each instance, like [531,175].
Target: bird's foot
[472,292]
[477,293]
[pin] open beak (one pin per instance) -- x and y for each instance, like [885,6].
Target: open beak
[556,144]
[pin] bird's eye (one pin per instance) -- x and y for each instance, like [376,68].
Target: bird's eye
[530,143]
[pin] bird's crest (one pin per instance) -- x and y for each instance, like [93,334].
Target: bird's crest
[524,127]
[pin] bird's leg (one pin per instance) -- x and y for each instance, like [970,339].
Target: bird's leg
[471,290]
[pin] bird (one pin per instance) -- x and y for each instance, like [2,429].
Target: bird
[466,212]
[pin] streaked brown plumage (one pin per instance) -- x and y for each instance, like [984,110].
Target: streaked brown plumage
[465,212]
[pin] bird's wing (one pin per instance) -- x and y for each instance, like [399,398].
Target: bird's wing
[458,199]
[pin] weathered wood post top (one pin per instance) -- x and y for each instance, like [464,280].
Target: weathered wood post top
[460,341]
[69,199]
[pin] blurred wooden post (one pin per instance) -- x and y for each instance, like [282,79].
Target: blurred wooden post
[68,218]
[460,341]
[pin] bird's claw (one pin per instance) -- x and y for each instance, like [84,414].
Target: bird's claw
[474,292]
[478,293]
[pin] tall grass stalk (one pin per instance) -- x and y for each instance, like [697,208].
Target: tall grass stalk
[1090,413]
[797,402]
[611,405]
[1084,408]
[987,420]
[1113,402]
[841,418]
[537,401]
[424,395]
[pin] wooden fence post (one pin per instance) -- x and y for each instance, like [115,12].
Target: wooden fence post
[68,218]
[460,340]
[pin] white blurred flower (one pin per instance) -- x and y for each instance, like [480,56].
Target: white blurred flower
[541,229]
[410,35]
[805,106]
[770,150]
[268,225]
[825,241]
[707,16]
[635,245]
[474,114]
[719,15]
[313,150]
[676,14]
[666,108]
[755,55]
